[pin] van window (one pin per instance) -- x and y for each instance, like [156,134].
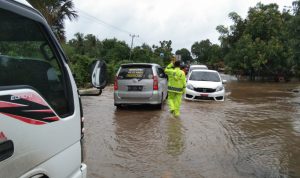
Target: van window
[161,73]
[27,58]
[138,72]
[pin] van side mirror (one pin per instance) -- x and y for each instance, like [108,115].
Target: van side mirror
[224,81]
[98,74]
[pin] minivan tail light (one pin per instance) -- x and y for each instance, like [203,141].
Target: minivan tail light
[155,83]
[116,83]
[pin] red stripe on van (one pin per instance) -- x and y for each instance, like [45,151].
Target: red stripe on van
[40,111]
[52,118]
[25,119]
[31,96]
[5,104]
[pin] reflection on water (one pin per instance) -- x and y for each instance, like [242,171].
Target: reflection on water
[254,133]
[175,143]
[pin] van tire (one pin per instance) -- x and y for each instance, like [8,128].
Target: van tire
[119,106]
[160,105]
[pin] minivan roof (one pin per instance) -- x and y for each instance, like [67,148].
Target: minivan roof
[137,64]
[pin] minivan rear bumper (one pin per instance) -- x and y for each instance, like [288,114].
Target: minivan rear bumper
[154,99]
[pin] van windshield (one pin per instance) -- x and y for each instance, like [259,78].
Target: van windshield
[138,72]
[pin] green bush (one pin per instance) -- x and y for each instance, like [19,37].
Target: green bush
[80,66]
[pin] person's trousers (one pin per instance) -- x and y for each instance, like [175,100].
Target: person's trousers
[174,101]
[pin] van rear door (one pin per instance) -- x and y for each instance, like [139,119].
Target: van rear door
[135,81]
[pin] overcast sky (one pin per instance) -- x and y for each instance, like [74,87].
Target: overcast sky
[182,21]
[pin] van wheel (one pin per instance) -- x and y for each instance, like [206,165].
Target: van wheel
[160,105]
[119,106]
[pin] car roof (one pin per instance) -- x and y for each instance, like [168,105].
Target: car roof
[23,8]
[139,64]
[198,66]
[24,2]
[204,70]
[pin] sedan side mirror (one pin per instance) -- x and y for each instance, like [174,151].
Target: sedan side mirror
[224,81]
[98,74]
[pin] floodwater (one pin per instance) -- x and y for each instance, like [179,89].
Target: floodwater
[254,133]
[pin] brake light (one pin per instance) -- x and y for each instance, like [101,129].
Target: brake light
[116,83]
[155,83]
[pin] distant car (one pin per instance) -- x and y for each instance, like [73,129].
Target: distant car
[194,67]
[140,83]
[205,85]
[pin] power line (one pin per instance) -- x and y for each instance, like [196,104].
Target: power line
[102,22]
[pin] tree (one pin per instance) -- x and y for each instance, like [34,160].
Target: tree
[215,57]
[295,36]
[78,43]
[185,55]
[115,50]
[55,12]
[164,50]
[258,45]
[142,53]
[201,51]
[208,54]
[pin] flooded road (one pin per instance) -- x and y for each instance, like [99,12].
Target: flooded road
[254,133]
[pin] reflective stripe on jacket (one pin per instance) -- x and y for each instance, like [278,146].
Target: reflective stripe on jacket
[176,79]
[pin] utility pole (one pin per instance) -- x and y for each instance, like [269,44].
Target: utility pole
[132,37]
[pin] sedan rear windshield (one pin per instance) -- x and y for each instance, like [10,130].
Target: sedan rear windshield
[205,76]
[138,72]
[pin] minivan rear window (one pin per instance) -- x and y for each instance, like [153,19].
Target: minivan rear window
[138,72]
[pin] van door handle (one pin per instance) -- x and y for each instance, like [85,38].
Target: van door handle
[6,149]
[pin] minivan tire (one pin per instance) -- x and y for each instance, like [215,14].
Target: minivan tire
[160,105]
[119,106]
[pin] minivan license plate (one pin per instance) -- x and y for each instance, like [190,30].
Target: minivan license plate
[135,88]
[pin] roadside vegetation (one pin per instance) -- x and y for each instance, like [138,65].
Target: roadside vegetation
[265,45]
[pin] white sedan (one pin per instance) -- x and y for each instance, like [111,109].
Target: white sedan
[205,85]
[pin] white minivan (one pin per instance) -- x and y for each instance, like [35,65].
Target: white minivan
[41,120]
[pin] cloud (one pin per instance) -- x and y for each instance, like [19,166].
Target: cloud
[182,21]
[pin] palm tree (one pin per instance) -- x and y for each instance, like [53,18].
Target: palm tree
[55,12]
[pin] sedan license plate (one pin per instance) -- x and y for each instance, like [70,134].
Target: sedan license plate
[205,95]
[135,88]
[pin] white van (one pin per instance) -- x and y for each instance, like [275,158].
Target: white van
[40,111]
